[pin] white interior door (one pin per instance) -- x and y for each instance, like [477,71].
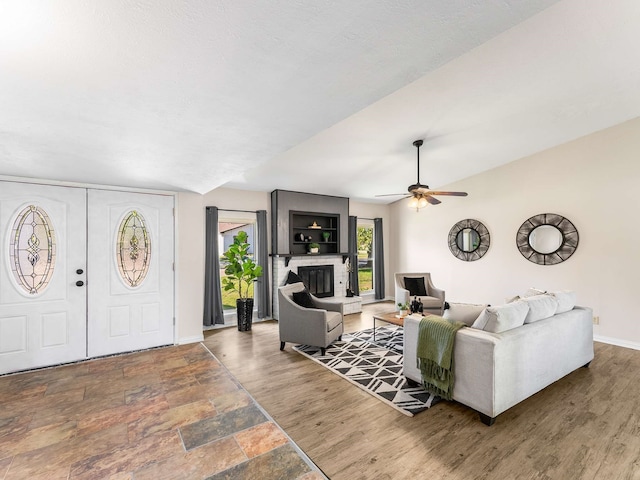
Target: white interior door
[130,262]
[42,309]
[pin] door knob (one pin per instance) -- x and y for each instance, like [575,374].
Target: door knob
[79,271]
[79,283]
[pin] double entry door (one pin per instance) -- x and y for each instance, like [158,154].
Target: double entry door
[83,273]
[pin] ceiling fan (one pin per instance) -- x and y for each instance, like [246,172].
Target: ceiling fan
[420,193]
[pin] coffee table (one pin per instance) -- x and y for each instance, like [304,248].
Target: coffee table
[391,317]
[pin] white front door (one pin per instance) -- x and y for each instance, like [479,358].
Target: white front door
[130,264]
[42,275]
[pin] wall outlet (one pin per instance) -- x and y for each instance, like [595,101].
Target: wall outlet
[596,320]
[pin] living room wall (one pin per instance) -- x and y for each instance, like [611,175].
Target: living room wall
[592,181]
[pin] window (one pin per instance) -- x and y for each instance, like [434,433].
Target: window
[228,227]
[32,250]
[365,256]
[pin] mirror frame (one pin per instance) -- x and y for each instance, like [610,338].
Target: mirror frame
[570,239]
[483,234]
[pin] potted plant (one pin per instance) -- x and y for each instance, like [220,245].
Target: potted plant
[403,307]
[326,236]
[241,271]
[314,247]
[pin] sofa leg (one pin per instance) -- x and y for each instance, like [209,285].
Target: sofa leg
[411,383]
[486,419]
[586,365]
[340,338]
[323,351]
[281,345]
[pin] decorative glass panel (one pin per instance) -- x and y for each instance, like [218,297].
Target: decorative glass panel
[133,249]
[32,250]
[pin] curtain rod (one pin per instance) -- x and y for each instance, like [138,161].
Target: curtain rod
[229,210]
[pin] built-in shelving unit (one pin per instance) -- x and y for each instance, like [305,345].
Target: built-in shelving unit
[310,227]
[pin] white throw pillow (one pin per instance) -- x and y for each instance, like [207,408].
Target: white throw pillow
[533,291]
[566,300]
[466,313]
[540,307]
[502,317]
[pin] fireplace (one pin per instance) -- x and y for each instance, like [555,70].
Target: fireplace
[318,279]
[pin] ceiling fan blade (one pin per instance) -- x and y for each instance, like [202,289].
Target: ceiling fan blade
[453,194]
[392,195]
[431,200]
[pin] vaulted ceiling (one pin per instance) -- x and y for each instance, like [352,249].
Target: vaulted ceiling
[323,97]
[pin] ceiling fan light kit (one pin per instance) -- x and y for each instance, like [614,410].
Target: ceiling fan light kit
[420,194]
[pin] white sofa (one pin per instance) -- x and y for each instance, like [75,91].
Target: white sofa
[495,371]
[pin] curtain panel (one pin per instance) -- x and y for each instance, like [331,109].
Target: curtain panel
[213,313]
[262,254]
[378,259]
[353,255]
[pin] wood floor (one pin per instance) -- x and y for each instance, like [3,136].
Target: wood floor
[585,426]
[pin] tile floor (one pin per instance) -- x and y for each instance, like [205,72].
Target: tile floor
[167,413]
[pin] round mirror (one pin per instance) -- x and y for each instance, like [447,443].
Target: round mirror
[468,240]
[545,239]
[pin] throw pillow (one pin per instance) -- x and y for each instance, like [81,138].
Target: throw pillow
[466,313]
[540,307]
[566,300]
[292,278]
[534,291]
[501,318]
[303,299]
[415,286]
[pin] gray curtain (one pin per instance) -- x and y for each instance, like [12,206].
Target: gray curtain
[353,255]
[262,285]
[378,258]
[212,292]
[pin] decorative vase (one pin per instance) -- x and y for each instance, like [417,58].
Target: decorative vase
[244,311]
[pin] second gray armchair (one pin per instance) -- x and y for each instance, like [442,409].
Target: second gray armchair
[318,324]
[410,285]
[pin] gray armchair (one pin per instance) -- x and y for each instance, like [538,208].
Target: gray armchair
[318,326]
[433,301]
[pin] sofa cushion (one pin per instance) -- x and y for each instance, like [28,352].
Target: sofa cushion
[502,317]
[540,307]
[303,299]
[466,313]
[415,285]
[566,300]
[333,320]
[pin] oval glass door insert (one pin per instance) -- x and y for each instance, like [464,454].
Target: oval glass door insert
[133,249]
[32,250]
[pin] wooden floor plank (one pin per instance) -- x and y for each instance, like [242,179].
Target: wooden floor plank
[586,425]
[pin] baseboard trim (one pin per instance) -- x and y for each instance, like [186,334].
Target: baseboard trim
[194,339]
[617,342]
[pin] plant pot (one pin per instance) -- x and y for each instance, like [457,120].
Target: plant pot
[313,250]
[244,311]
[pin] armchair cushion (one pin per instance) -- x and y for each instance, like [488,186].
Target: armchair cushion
[415,286]
[333,320]
[303,299]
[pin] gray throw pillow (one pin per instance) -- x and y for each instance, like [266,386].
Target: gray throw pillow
[566,300]
[540,307]
[466,313]
[502,317]
[303,299]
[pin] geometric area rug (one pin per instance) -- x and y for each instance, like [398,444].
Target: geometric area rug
[373,368]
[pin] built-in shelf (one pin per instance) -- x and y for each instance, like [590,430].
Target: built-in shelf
[312,227]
